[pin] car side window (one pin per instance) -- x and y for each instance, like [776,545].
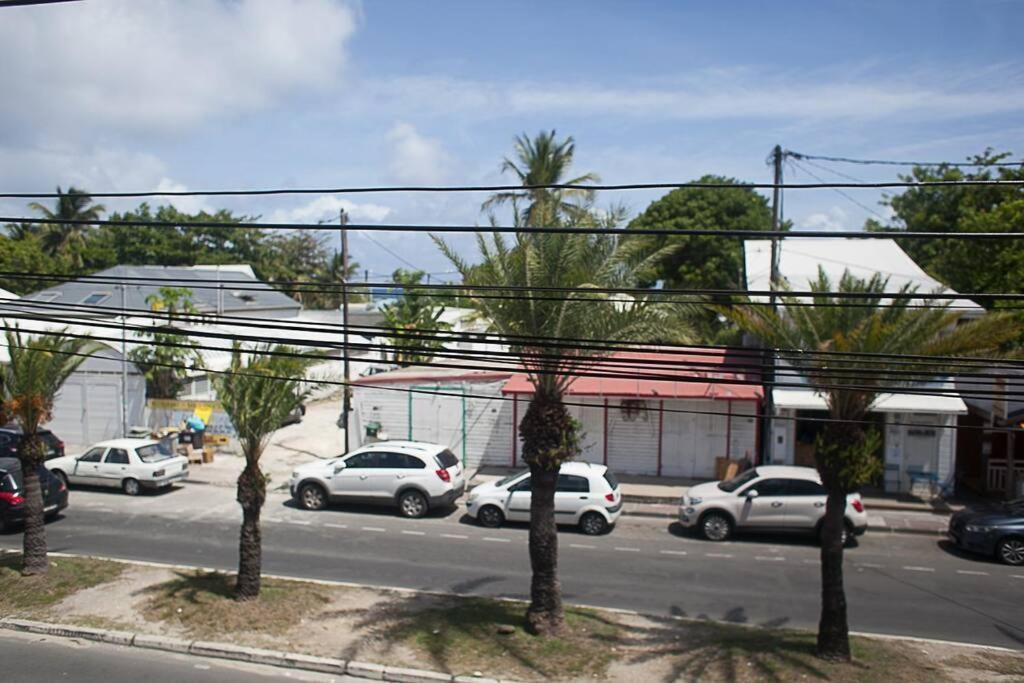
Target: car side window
[770,487]
[568,483]
[117,456]
[7,484]
[407,462]
[366,460]
[93,455]
[523,485]
[805,487]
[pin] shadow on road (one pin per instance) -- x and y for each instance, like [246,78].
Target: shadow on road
[373,510]
[110,490]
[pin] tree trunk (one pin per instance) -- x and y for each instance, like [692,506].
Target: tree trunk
[548,438]
[34,557]
[251,495]
[833,628]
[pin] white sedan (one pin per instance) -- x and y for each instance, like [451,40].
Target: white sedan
[128,464]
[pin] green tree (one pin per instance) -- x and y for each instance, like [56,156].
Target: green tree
[543,160]
[412,318]
[24,254]
[36,370]
[988,265]
[867,323]
[63,239]
[577,261]
[165,361]
[702,262]
[258,393]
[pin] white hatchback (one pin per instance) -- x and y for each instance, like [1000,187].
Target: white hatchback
[413,475]
[128,464]
[586,494]
[771,498]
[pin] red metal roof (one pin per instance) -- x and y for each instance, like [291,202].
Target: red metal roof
[701,373]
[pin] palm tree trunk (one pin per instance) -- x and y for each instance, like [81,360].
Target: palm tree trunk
[34,557]
[251,495]
[546,430]
[833,628]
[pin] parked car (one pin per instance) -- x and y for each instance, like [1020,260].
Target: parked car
[12,438]
[587,495]
[128,464]
[996,529]
[413,475]
[766,499]
[12,493]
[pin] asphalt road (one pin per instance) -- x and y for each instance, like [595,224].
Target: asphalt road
[897,584]
[31,658]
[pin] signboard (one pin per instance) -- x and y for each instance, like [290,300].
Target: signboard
[170,413]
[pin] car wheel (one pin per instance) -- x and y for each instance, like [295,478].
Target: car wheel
[63,477]
[593,524]
[312,497]
[412,504]
[131,487]
[1011,551]
[490,516]
[716,527]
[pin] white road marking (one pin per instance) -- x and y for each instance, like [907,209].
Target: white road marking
[912,568]
[812,561]
[582,545]
[970,572]
[297,521]
[721,555]
[460,536]
[373,528]
[492,539]
[762,558]
[628,550]
[672,552]
[868,565]
[1017,576]
[414,533]
[336,526]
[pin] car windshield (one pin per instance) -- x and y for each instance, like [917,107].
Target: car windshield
[610,478]
[736,482]
[505,480]
[154,452]
[446,459]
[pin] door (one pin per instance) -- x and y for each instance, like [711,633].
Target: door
[361,472]
[920,452]
[519,501]
[768,508]
[805,503]
[400,469]
[572,493]
[86,470]
[114,468]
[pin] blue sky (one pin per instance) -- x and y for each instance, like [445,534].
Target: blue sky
[120,95]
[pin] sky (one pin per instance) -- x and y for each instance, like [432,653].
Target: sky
[121,95]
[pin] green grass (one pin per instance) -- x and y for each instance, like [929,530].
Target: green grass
[32,595]
[203,604]
[462,636]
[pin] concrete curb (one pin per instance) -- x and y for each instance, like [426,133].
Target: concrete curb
[239,653]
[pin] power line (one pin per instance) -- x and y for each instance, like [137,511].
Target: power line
[841,193]
[26,3]
[889,162]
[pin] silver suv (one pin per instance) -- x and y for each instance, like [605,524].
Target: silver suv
[414,476]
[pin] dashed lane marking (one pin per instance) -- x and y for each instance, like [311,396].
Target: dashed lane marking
[459,536]
[971,572]
[723,556]
[628,550]
[336,526]
[762,558]
[912,568]
[672,552]
[582,545]
[297,521]
[414,533]
[492,539]
[374,528]
[1017,576]
[813,562]
[868,565]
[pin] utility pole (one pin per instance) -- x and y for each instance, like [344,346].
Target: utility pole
[124,362]
[346,391]
[767,434]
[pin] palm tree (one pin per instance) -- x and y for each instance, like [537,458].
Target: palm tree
[37,369]
[63,238]
[258,393]
[543,160]
[578,261]
[868,323]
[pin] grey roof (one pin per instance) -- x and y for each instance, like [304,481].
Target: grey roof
[240,292]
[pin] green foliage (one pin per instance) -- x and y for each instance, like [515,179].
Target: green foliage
[416,312]
[67,240]
[851,462]
[165,361]
[24,254]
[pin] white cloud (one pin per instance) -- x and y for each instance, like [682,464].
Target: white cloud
[326,207]
[834,219]
[416,158]
[164,64]
[184,204]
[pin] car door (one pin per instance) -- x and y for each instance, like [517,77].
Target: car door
[768,508]
[408,469]
[518,508]
[356,479]
[113,469]
[86,469]
[805,503]
[572,493]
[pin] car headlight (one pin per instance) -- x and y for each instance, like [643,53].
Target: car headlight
[696,501]
[977,529]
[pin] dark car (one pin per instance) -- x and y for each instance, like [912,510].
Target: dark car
[994,529]
[12,490]
[12,439]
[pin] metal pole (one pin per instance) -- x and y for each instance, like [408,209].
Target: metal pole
[767,438]
[124,362]
[346,391]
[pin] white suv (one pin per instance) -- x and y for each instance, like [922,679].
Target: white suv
[769,498]
[586,494]
[412,475]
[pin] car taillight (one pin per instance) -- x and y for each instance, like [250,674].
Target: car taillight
[610,497]
[12,498]
[444,476]
[858,506]
[62,487]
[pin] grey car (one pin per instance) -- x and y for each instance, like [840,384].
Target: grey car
[996,530]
